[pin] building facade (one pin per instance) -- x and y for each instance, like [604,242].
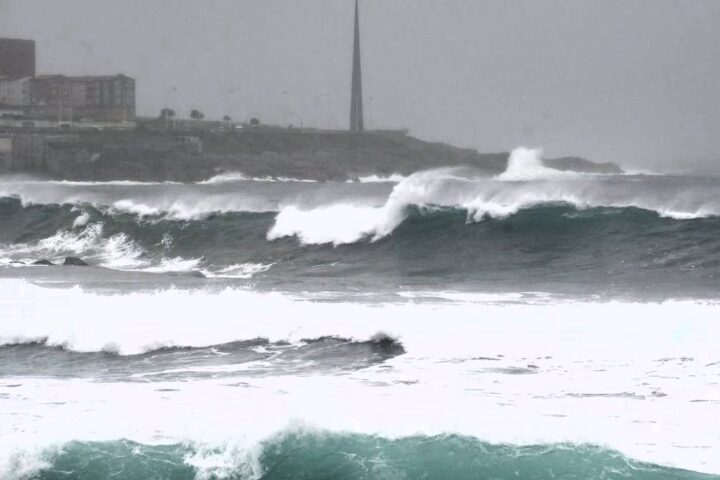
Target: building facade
[14,92]
[50,97]
[105,98]
[17,57]
[111,97]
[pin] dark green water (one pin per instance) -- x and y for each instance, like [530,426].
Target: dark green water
[548,247]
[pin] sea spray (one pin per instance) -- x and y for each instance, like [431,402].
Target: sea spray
[525,164]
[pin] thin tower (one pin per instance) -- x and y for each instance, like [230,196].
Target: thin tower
[356,106]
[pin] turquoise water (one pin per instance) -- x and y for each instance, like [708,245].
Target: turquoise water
[313,456]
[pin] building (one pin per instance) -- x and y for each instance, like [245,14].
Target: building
[105,98]
[50,97]
[60,98]
[17,57]
[14,92]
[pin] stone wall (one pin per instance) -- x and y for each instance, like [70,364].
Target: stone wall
[29,152]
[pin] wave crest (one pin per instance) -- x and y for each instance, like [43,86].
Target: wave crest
[303,452]
[525,164]
[526,183]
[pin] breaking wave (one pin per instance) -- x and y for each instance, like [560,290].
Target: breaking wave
[527,226]
[526,164]
[142,322]
[615,249]
[285,330]
[261,361]
[304,453]
[231,177]
[526,184]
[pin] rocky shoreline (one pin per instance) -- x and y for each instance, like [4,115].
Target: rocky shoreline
[197,155]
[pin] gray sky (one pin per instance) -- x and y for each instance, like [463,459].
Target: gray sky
[633,81]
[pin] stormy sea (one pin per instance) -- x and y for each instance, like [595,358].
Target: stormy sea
[537,324]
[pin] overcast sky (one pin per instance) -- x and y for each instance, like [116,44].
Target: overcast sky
[634,81]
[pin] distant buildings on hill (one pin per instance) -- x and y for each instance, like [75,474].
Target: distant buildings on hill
[23,94]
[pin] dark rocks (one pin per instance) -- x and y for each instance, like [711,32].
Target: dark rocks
[75,262]
[385,344]
[581,165]
[43,262]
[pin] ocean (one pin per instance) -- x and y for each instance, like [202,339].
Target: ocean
[448,324]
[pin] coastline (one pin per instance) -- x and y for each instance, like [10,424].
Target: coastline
[194,155]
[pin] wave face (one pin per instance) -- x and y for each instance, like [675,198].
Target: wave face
[318,355]
[549,245]
[301,454]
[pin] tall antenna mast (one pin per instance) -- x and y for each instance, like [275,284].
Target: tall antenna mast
[356,104]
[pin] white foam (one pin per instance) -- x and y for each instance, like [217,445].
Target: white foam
[33,312]
[174,265]
[188,209]
[181,202]
[394,178]
[336,224]
[120,252]
[644,172]
[232,177]
[234,459]
[348,223]
[18,463]
[80,183]
[82,220]
[240,270]
[117,251]
[130,206]
[525,183]
[653,397]
[526,164]
[227,177]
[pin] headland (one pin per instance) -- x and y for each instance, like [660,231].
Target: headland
[145,153]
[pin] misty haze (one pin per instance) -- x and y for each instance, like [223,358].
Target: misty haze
[629,82]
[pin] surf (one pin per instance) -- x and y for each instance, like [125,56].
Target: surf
[396,360]
[298,453]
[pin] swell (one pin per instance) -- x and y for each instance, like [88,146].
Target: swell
[326,354]
[299,453]
[616,248]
